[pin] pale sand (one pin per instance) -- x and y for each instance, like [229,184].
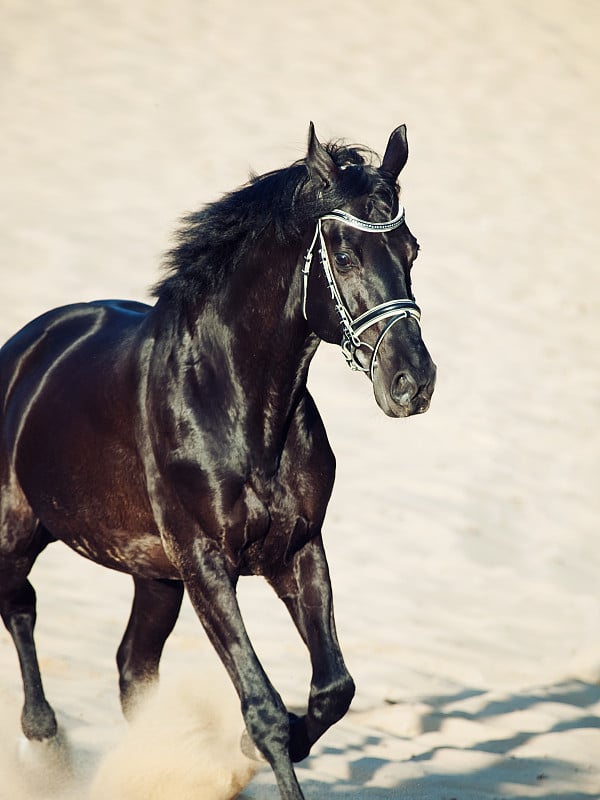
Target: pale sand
[463,543]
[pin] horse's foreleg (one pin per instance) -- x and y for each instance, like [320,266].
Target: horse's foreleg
[155,609]
[305,588]
[212,592]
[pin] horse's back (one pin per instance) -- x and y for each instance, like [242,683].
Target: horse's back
[64,326]
[65,338]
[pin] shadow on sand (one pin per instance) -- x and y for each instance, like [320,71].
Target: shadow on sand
[517,766]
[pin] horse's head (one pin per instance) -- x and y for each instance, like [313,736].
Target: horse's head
[357,281]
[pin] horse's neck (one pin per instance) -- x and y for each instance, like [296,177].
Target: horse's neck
[251,341]
[272,348]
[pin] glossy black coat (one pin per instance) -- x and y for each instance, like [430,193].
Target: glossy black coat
[179,443]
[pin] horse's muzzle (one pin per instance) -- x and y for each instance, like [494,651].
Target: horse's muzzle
[406,394]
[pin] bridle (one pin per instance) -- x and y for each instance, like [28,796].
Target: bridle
[392,310]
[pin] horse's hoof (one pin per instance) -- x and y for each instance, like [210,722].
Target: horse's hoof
[299,747]
[39,724]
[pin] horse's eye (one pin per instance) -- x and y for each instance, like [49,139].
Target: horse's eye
[343,261]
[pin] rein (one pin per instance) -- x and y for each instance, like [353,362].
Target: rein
[392,310]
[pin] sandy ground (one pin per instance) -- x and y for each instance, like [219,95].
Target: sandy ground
[463,543]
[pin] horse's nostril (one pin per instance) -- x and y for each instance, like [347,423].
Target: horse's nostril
[403,388]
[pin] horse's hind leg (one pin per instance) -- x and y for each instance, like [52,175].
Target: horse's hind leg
[18,611]
[155,609]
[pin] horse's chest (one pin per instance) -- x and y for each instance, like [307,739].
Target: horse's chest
[274,528]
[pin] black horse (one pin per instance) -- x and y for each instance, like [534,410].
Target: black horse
[178,443]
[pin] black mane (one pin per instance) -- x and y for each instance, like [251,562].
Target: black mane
[212,241]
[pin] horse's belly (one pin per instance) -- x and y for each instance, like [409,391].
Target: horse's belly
[100,508]
[140,554]
[106,518]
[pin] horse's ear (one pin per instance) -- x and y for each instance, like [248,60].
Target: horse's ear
[320,164]
[396,152]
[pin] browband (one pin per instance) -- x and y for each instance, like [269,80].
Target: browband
[365,225]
